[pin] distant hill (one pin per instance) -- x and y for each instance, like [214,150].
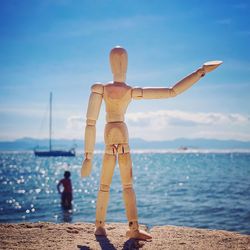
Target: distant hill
[31,143]
[190,143]
[135,143]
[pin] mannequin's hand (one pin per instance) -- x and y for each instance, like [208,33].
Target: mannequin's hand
[86,167]
[211,65]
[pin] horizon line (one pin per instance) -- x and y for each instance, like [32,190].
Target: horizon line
[132,138]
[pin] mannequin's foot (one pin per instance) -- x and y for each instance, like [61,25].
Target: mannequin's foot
[100,231]
[138,234]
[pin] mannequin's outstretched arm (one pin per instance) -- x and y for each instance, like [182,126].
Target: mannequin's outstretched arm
[95,101]
[178,88]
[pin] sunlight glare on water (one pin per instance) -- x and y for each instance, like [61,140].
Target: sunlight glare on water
[206,190]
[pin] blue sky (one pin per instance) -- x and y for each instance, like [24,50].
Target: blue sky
[63,46]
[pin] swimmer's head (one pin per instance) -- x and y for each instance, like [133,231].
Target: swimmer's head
[67,174]
[119,62]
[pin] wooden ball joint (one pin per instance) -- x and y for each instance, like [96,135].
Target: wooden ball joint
[117,95]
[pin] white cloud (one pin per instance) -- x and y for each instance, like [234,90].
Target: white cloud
[180,118]
[222,134]
[75,122]
[159,125]
[172,124]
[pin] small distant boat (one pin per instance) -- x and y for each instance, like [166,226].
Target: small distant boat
[183,148]
[51,152]
[55,153]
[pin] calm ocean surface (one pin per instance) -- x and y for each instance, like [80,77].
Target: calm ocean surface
[205,190]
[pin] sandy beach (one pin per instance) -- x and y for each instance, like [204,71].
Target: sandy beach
[80,236]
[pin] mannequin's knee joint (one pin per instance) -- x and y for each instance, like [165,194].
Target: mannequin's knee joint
[123,149]
[104,188]
[111,149]
[127,186]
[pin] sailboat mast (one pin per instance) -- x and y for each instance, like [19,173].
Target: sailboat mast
[50,121]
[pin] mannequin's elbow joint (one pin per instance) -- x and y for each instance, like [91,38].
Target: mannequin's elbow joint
[173,92]
[90,122]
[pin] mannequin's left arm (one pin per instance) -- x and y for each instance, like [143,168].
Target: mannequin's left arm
[178,88]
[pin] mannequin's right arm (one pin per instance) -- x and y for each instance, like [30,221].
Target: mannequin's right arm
[95,101]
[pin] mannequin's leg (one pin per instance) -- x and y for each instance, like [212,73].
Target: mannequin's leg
[108,166]
[125,165]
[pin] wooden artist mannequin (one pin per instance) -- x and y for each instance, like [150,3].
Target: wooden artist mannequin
[117,95]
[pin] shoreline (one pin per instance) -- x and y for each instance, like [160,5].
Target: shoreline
[46,235]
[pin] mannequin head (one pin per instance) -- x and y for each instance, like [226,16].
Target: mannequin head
[118,61]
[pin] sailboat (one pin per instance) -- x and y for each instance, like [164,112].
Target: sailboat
[51,152]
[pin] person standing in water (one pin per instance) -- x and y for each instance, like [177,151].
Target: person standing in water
[66,194]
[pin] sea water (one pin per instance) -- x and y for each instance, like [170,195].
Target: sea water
[204,190]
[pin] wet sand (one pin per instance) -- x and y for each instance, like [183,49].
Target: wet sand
[44,235]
